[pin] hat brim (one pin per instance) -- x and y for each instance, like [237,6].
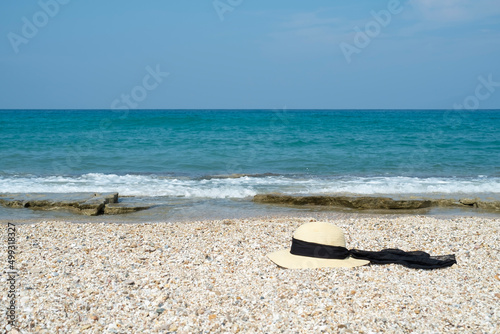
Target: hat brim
[285,259]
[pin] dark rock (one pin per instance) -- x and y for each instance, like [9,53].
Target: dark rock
[490,206]
[90,204]
[121,208]
[374,203]
[362,203]
[469,201]
[446,203]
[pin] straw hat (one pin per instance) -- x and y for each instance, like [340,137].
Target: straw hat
[319,233]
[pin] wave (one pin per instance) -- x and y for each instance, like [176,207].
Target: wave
[248,185]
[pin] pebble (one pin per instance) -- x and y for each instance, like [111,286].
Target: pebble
[214,276]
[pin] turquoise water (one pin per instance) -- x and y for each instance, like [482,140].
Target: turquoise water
[196,154]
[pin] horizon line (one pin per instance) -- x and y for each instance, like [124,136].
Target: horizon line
[247,109]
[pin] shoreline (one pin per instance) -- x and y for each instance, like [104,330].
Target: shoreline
[110,207]
[320,215]
[215,276]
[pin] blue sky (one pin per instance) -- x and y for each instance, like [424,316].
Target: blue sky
[250,54]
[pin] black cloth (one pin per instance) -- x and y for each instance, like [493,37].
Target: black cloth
[413,259]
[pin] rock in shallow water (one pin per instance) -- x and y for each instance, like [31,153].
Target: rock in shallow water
[345,201]
[90,204]
[122,208]
[375,203]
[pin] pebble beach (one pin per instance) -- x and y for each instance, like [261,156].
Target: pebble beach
[214,277]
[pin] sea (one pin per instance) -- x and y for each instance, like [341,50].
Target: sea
[208,164]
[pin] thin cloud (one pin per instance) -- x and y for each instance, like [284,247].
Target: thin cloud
[305,33]
[307,20]
[321,27]
[455,11]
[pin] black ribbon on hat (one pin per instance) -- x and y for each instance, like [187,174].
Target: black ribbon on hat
[413,259]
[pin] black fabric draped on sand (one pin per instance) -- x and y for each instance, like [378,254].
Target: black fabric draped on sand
[413,259]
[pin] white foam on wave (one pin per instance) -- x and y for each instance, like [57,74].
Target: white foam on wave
[126,185]
[242,187]
[414,185]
